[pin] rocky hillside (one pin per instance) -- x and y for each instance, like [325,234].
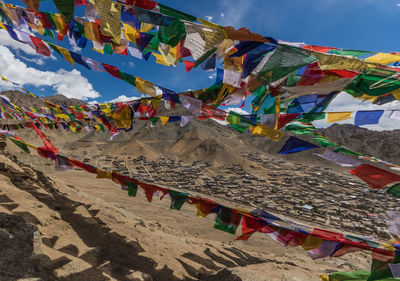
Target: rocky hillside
[382,145]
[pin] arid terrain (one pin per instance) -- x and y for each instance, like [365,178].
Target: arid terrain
[68,225]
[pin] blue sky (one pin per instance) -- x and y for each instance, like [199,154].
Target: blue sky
[356,24]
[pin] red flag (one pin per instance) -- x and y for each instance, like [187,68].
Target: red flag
[145,4]
[44,139]
[319,48]
[283,119]
[189,65]
[375,177]
[41,48]
[86,167]
[250,225]
[208,111]
[81,3]
[204,205]
[111,70]
[327,235]
[150,189]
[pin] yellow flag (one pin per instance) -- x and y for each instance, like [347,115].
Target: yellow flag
[311,243]
[160,59]
[164,119]
[338,116]
[66,54]
[145,87]
[368,98]
[396,94]
[155,102]
[213,25]
[101,174]
[327,62]
[269,132]
[90,32]
[123,118]
[109,14]
[324,277]
[130,32]
[58,21]
[145,27]
[62,116]
[383,58]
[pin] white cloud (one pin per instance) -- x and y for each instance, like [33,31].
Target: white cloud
[212,76]
[38,61]
[68,83]
[398,4]
[235,15]
[131,64]
[237,110]
[93,102]
[209,18]
[123,98]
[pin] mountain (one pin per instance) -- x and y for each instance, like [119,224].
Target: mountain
[380,144]
[22,99]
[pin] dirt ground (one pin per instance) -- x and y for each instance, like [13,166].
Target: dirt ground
[92,230]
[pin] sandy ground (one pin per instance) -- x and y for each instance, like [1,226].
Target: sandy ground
[92,230]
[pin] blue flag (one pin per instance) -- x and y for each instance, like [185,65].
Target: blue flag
[367,117]
[294,145]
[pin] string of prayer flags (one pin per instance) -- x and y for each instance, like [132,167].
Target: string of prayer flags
[375,177]
[294,145]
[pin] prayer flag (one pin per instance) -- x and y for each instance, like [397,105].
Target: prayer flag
[339,159]
[66,9]
[338,116]
[204,206]
[177,199]
[367,117]
[375,177]
[294,145]
[394,190]
[283,119]
[228,220]
[269,132]
[41,48]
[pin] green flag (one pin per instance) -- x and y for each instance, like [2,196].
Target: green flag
[394,190]
[20,144]
[284,61]
[177,199]
[228,220]
[132,188]
[172,34]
